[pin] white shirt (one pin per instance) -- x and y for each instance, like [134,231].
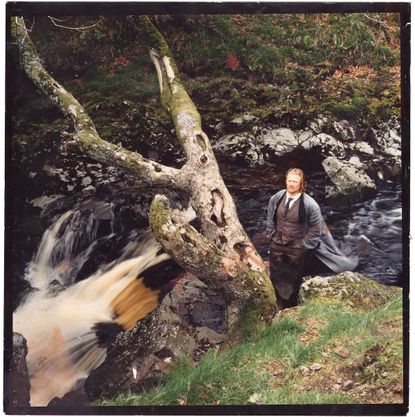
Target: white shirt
[294,197]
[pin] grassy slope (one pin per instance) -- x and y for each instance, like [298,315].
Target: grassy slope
[273,367]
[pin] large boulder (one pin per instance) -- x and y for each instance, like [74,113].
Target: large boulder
[138,360]
[350,184]
[277,142]
[328,145]
[242,147]
[350,287]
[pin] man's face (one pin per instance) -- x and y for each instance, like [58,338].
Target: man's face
[293,183]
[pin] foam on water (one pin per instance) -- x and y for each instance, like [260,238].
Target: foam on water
[59,327]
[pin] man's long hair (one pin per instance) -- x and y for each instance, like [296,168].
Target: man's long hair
[300,173]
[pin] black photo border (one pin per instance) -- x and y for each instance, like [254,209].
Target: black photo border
[170,8]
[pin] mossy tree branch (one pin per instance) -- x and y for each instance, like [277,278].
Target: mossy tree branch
[86,135]
[222,253]
[234,253]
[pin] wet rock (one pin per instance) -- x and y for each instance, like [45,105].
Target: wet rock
[138,359]
[392,152]
[86,181]
[209,335]
[319,124]
[350,184]
[76,397]
[344,130]
[278,141]
[242,147]
[133,360]
[89,191]
[304,136]
[17,389]
[327,144]
[354,160]
[360,292]
[387,140]
[243,121]
[362,147]
[197,305]
[385,168]
[44,201]
[388,134]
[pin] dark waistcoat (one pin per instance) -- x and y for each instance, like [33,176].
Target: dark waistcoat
[289,229]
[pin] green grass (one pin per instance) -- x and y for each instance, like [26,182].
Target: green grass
[289,396]
[135,81]
[265,367]
[339,65]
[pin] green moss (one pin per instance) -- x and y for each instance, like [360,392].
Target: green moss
[356,290]
[180,103]
[156,38]
[159,215]
[250,322]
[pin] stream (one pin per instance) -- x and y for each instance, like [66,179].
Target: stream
[86,257]
[372,229]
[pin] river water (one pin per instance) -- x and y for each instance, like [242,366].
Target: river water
[85,259]
[372,229]
[74,318]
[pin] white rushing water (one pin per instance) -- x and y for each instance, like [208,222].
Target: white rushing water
[58,325]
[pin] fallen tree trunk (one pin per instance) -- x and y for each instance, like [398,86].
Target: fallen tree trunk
[221,253]
[232,259]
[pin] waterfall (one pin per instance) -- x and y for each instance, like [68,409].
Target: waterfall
[67,324]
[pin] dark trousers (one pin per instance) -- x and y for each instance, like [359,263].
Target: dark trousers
[288,265]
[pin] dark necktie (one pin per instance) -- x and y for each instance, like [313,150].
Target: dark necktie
[287,205]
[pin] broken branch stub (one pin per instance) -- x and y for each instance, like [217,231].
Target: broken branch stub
[237,280]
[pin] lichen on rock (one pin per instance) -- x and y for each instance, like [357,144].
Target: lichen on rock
[355,289]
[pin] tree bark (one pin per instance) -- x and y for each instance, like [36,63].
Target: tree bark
[221,254]
[238,267]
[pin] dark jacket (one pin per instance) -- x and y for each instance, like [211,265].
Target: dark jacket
[317,236]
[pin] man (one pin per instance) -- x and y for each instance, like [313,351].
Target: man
[300,240]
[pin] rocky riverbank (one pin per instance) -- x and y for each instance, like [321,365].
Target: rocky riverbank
[365,374]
